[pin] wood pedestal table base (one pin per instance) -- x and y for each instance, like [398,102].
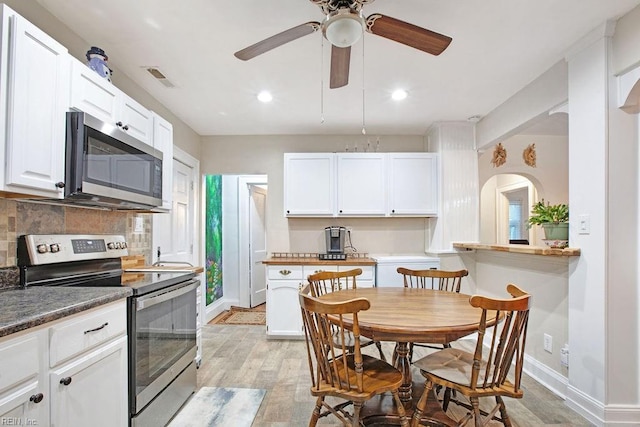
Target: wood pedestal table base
[405,315]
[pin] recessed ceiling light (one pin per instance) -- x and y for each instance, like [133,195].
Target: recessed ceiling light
[399,94]
[265,96]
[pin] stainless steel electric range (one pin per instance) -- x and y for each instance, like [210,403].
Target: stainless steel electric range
[161,321]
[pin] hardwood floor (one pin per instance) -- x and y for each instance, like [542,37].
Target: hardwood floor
[241,356]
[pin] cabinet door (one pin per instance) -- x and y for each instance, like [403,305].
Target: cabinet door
[91,390]
[36,102]
[283,309]
[163,141]
[24,395]
[361,184]
[413,184]
[309,184]
[93,94]
[135,119]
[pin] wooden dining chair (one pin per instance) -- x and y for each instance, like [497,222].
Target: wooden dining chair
[442,280]
[347,375]
[486,372]
[331,281]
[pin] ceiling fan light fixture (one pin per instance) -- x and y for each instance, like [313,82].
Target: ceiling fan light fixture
[344,28]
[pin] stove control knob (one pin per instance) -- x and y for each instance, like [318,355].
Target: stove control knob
[42,248]
[111,245]
[54,247]
[117,244]
[123,245]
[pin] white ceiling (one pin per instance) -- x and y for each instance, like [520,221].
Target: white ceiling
[498,47]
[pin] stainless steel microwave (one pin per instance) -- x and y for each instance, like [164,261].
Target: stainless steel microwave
[106,167]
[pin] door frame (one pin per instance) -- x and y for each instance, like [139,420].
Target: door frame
[244,267]
[193,163]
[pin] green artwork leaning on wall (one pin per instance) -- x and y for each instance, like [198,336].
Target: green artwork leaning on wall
[213,237]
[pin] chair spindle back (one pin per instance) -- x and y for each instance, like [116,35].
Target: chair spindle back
[442,280]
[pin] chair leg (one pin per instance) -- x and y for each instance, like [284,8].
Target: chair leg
[404,422]
[475,402]
[355,421]
[410,352]
[503,412]
[379,346]
[422,404]
[315,415]
[446,399]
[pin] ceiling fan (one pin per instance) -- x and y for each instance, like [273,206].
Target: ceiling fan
[342,27]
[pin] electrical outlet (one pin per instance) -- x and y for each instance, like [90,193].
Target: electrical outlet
[564,356]
[548,343]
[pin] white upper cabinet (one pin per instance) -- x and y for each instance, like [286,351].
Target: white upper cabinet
[34,96]
[163,141]
[413,184]
[309,184]
[98,97]
[361,184]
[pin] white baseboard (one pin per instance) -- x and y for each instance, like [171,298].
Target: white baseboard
[586,406]
[552,380]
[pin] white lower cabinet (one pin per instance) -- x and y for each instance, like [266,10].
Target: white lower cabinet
[23,380]
[284,282]
[92,389]
[70,372]
[284,319]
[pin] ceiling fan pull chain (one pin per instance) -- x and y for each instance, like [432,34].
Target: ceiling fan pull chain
[364,131]
[321,80]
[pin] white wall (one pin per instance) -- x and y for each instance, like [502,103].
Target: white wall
[265,155]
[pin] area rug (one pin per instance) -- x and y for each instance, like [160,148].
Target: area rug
[241,316]
[215,406]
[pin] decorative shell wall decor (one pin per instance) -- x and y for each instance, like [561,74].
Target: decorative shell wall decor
[499,156]
[529,155]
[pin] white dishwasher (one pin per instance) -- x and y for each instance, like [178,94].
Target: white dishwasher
[387,265]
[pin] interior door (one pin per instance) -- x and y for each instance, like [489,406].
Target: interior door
[257,243]
[173,232]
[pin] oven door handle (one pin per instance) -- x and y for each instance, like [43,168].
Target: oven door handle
[151,300]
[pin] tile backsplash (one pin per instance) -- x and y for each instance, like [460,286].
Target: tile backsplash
[18,218]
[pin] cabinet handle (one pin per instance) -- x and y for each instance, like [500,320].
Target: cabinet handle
[340,210]
[393,211]
[299,286]
[97,329]
[65,381]
[119,124]
[60,184]
[36,398]
[285,272]
[125,127]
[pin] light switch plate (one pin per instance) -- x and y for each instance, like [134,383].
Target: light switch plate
[584,224]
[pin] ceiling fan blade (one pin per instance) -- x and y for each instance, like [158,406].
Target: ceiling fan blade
[407,34]
[340,60]
[278,40]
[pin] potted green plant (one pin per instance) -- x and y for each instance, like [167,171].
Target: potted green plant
[554,220]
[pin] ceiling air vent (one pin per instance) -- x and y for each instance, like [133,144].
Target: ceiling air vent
[159,76]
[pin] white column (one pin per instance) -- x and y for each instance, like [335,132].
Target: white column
[603,282]
[458,219]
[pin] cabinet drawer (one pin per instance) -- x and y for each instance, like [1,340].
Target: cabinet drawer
[313,269]
[285,272]
[20,356]
[87,330]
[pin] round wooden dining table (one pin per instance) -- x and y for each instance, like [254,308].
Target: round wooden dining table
[406,315]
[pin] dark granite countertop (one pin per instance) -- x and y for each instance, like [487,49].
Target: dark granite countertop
[25,308]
